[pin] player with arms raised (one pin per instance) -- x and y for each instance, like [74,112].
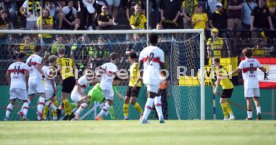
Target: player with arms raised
[251,84]
[17,76]
[151,60]
[35,80]
[66,67]
[110,71]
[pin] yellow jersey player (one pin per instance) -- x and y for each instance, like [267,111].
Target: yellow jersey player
[227,87]
[66,67]
[133,86]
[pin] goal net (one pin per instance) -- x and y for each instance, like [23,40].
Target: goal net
[184,56]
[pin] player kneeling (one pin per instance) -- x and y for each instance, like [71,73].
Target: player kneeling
[50,88]
[78,93]
[227,87]
[17,76]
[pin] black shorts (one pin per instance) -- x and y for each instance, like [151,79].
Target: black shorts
[226,93]
[68,84]
[132,92]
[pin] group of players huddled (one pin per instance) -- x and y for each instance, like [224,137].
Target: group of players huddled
[30,77]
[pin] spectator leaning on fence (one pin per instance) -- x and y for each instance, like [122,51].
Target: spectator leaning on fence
[11,7]
[130,7]
[45,23]
[261,18]
[219,19]
[31,9]
[217,44]
[248,6]
[138,20]
[4,25]
[69,15]
[199,18]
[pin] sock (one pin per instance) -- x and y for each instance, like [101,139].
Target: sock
[111,112]
[229,109]
[54,111]
[258,108]
[104,109]
[148,108]
[224,108]
[138,107]
[8,110]
[45,111]
[40,106]
[81,108]
[158,107]
[67,107]
[125,110]
[249,114]
[25,107]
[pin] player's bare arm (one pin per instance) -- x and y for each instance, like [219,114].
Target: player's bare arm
[26,72]
[8,77]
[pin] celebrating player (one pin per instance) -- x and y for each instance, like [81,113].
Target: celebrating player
[35,80]
[110,69]
[66,67]
[251,84]
[17,76]
[227,87]
[50,88]
[96,94]
[78,93]
[133,86]
[152,60]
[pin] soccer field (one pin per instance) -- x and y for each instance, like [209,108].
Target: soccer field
[133,133]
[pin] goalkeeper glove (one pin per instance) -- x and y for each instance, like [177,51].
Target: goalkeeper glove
[265,76]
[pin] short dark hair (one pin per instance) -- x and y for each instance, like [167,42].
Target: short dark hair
[21,55]
[153,39]
[61,51]
[117,78]
[113,56]
[217,60]
[37,48]
[52,58]
[247,52]
[132,55]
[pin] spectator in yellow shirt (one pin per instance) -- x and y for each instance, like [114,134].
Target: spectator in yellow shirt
[27,47]
[199,18]
[138,19]
[217,44]
[47,24]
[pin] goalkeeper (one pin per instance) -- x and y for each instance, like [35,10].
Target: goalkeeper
[95,94]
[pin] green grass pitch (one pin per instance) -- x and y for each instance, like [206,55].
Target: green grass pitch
[133,133]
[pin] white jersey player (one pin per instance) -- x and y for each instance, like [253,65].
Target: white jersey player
[50,87]
[35,81]
[109,72]
[249,67]
[152,60]
[17,75]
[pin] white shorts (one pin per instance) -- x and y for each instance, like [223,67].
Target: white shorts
[76,97]
[108,94]
[36,86]
[152,88]
[20,94]
[49,93]
[252,92]
[115,3]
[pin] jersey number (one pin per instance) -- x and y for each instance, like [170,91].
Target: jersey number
[16,70]
[251,68]
[67,69]
[150,57]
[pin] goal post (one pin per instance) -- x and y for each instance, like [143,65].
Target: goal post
[169,36]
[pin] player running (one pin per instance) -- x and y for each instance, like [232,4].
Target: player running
[17,76]
[110,69]
[66,67]
[133,86]
[152,60]
[251,84]
[227,87]
[35,81]
[96,94]
[78,94]
[50,88]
